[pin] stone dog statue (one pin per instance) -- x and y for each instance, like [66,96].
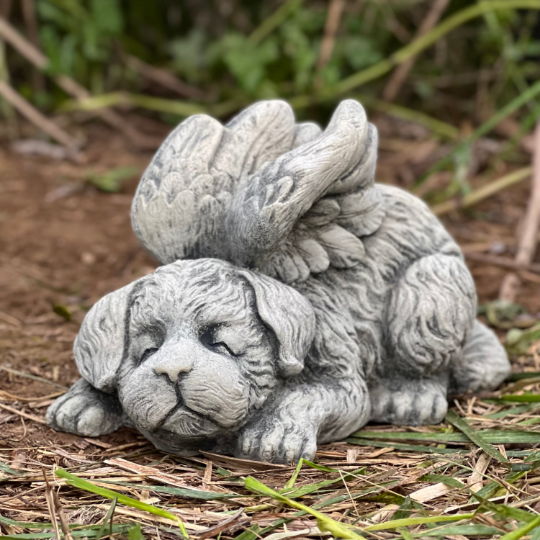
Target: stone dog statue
[298,299]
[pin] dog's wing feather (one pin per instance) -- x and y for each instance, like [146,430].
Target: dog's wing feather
[185,193]
[308,209]
[263,191]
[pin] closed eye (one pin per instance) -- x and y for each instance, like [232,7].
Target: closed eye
[147,354]
[208,339]
[222,345]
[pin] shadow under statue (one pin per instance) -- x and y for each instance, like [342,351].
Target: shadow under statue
[297,300]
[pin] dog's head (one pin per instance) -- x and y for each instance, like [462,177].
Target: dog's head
[194,349]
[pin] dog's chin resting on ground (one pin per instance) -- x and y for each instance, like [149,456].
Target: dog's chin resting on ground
[298,300]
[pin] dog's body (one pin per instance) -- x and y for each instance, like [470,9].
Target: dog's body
[372,314]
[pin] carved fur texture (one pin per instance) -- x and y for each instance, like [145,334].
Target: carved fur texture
[298,299]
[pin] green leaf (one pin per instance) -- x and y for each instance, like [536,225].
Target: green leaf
[62,311]
[111,181]
[107,16]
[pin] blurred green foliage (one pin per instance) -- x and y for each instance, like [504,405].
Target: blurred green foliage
[213,45]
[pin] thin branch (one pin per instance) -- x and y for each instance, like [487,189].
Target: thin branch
[397,79]
[274,21]
[71,87]
[333,18]
[30,21]
[415,47]
[34,116]
[164,78]
[529,233]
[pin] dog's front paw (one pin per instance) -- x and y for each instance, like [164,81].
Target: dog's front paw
[410,403]
[85,411]
[277,441]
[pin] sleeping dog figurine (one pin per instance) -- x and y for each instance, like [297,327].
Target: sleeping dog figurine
[297,300]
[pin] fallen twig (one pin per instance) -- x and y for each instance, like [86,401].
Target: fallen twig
[529,234]
[503,262]
[23,414]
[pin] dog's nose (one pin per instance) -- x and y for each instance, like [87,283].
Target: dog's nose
[172,367]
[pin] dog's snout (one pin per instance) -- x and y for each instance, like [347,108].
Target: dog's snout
[173,367]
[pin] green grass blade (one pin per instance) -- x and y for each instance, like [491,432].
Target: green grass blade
[8,469]
[107,520]
[310,488]
[493,436]
[522,398]
[180,492]
[522,531]
[122,499]
[526,96]
[505,511]
[88,532]
[135,533]
[463,530]
[409,522]
[24,525]
[292,479]
[520,376]
[514,410]
[325,523]
[412,49]
[447,480]
[404,447]
[474,436]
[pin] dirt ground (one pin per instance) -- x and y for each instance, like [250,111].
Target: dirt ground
[64,244]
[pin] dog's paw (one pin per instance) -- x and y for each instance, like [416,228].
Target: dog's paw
[411,403]
[277,441]
[85,411]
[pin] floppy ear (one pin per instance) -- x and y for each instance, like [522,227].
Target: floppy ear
[99,346]
[289,315]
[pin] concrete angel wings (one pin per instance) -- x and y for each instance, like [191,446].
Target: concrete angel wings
[298,300]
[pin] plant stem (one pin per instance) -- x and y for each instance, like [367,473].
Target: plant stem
[482,193]
[418,45]
[273,21]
